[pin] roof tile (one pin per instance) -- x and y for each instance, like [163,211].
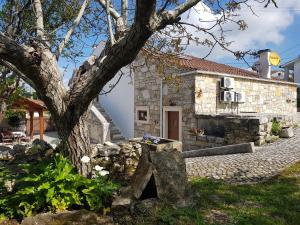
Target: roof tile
[191,62]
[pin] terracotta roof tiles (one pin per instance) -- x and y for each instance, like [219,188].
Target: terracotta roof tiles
[191,62]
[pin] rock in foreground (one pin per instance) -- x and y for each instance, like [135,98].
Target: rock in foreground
[81,217]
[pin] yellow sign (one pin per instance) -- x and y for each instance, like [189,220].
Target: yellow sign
[274,59]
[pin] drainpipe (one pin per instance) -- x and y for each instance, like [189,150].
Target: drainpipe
[161,108]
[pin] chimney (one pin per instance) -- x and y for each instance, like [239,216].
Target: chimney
[264,65]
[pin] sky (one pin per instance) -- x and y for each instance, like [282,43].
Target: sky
[272,28]
[277,29]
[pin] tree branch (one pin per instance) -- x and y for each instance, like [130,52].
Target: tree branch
[19,56]
[110,31]
[89,82]
[124,6]
[184,7]
[39,19]
[70,32]
[17,72]
[39,66]
[112,10]
[14,28]
[168,17]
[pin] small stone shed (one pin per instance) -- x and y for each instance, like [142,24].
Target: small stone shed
[231,105]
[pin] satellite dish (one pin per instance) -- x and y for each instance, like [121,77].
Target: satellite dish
[274,59]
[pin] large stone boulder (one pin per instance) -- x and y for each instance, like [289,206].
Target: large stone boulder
[81,217]
[161,173]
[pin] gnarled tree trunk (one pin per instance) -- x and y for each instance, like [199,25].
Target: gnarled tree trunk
[75,137]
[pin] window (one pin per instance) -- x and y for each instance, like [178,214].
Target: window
[142,114]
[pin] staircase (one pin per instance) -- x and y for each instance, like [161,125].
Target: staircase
[115,133]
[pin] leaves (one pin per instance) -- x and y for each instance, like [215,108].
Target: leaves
[54,186]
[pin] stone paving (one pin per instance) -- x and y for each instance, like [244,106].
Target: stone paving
[265,162]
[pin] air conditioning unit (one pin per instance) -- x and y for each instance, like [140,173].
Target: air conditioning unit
[239,97]
[227,96]
[227,83]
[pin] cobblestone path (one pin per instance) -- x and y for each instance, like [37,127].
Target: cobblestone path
[265,162]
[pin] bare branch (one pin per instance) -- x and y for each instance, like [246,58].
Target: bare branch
[17,72]
[182,8]
[39,19]
[70,32]
[124,7]
[14,27]
[88,83]
[110,31]
[112,11]
[269,1]
[165,5]
[113,85]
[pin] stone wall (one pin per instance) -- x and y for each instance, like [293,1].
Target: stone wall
[147,93]
[226,130]
[262,96]
[119,159]
[198,94]
[98,128]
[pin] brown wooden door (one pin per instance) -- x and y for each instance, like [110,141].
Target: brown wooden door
[173,125]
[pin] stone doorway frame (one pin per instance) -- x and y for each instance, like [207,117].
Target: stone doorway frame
[167,109]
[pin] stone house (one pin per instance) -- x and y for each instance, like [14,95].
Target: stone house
[230,105]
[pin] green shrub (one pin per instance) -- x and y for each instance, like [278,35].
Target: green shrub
[14,118]
[276,127]
[55,186]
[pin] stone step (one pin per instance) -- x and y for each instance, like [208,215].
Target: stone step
[115,133]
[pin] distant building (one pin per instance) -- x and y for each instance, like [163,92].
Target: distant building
[277,74]
[292,70]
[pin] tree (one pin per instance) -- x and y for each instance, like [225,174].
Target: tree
[32,41]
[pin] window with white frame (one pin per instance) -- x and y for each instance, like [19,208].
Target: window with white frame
[142,114]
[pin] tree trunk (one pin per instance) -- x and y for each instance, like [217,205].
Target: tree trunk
[75,138]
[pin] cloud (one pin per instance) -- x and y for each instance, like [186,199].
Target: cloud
[268,26]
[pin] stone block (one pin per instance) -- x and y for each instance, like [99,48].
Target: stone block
[223,150]
[260,142]
[211,139]
[220,140]
[286,132]
[170,177]
[201,138]
[142,176]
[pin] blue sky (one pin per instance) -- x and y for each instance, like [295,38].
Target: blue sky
[276,29]
[273,28]
[288,48]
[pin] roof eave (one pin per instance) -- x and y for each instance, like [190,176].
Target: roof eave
[290,62]
[196,72]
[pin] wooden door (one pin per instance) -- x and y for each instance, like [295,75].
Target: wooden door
[173,125]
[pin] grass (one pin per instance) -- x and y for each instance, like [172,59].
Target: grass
[275,202]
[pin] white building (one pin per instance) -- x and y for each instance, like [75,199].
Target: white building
[292,70]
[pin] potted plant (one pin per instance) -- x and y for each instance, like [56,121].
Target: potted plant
[16,119]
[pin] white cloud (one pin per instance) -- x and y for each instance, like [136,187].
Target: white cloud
[268,27]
